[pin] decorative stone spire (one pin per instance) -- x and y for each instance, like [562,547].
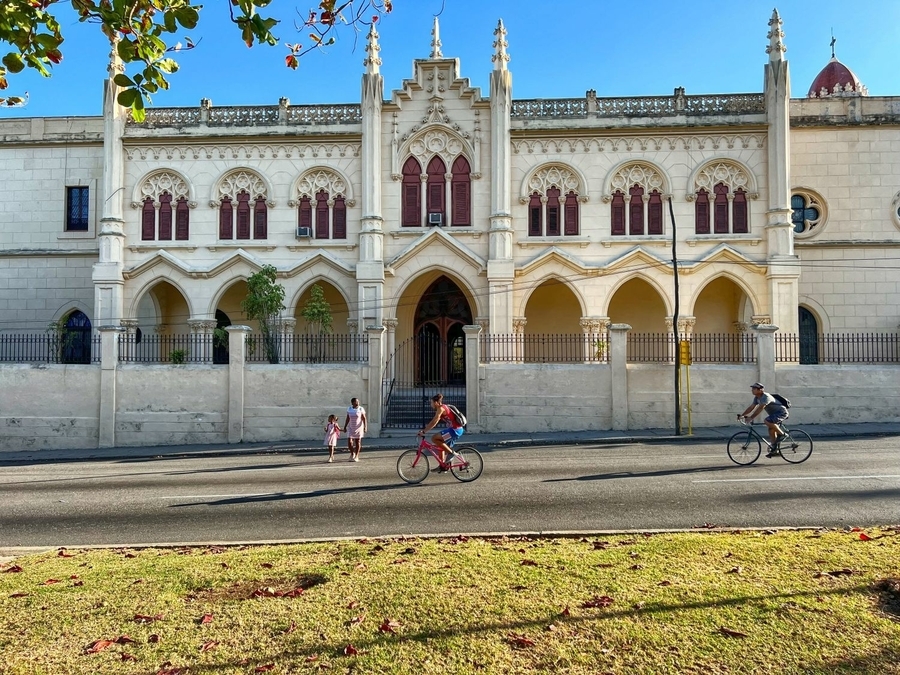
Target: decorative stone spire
[500,57]
[372,61]
[776,48]
[436,41]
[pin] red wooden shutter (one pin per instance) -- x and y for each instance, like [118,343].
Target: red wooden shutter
[182,220]
[411,200]
[304,218]
[617,214]
[323,227]
[260,219]
[226,220]
[701,212]
[148,220]
[655,213]
[535,209]
[165,217]
[461,190]
[553,212]
[340,219]
[571,222]
[739,219]
[243,215]
[636,210]
[435,193]
[720,209]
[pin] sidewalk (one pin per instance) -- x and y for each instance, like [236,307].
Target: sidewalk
[402,438]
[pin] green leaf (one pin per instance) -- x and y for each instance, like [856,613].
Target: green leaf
[13,62]
[126,97]
[170,22]
[123,80]
[167,65]
[138,115]
[187,17]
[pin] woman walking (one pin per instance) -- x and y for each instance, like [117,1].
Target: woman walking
[355,426]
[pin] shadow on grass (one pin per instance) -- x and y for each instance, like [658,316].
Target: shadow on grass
[872,663]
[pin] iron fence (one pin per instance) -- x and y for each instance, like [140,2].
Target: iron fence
[179,348]
[540,348]
[837,348]
[704,347]
[49,348]
[351,348]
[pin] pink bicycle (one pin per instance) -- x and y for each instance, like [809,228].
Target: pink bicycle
[465,464]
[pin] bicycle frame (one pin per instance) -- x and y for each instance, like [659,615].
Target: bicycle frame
[764,437]
[426,446]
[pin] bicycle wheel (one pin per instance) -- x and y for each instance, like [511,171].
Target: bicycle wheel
[796,446]
[744,448]
[467,465]
[412,467]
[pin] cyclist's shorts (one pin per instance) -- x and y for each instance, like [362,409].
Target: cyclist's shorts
[451,435]
[779,418]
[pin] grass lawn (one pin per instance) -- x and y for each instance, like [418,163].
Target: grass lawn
[697,602]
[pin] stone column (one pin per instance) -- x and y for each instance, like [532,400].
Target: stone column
[373,376]
[519,336]
[595,344]
[201,340]
[765,355]
[391,327]
[618,361]
[286,330]
[128,350]
[237,353]
[473,388]
[109,363]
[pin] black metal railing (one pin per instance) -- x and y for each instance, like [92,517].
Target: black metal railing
[178,348]
[837,348]
[74,348]
[544,348]
[352,348]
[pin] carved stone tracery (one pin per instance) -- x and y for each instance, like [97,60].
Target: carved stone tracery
[643,174]
[239,181]
[316,180]
[159,182]
[554,175]
[730,174]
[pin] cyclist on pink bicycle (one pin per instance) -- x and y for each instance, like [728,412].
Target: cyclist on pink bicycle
[451,432]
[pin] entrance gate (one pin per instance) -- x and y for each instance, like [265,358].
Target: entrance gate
[421,367]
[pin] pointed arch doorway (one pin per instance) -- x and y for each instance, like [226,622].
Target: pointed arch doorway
[433,360]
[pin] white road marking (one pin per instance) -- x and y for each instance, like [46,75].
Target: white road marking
[763,480]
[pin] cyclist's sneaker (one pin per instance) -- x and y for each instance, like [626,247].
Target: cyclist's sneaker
[774,452]
[441,469]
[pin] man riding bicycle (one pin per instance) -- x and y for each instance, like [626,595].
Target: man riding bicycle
[776,414]
[450,434]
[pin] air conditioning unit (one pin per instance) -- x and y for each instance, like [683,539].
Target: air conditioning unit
[304,233]
[436,219]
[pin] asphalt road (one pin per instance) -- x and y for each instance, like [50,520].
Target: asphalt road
[585,488]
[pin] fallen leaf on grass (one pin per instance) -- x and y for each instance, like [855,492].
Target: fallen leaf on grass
[267,565]
[264,669]
[731,633]
[528,563]
[128,657]
[519,641]
[565,611]
[210,644]
[146,618]
[664,582]
[311,658]
[50,582]
[98,646]
[389,626]
[864,537]
[290,629]
[350,650]
[356,620]
[597,601]
[735,570]
[205,619]
[64,554]
[834,573]
[124,640]
[20,594]
[13,570]
[167,669]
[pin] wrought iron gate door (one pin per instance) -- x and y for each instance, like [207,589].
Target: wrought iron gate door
[419,368]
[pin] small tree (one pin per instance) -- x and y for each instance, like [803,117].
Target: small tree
[264,302]
[317,313]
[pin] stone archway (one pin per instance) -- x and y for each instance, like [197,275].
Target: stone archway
[638,304]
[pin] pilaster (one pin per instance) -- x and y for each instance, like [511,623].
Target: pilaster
[618,361]
[237,356]
[473,390]
[109,364]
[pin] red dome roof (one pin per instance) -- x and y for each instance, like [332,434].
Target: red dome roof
[833,74]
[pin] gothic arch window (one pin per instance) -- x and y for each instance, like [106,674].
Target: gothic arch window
[164,200]
[77,339]
[243,203]
[447,196]
[321,200]
[635,196]
[411,198]
[553,195]
[807,212]
[461,192]
[719,191]
[434,188]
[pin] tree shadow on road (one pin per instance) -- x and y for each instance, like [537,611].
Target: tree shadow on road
[644,474]
[282,496]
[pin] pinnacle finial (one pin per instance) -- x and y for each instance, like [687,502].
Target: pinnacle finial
[500,57]
[776,48]
[372,61]
[833,40]
[436,41]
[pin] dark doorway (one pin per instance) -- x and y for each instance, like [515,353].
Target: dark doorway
[809,337]
[220,345]
[77,339]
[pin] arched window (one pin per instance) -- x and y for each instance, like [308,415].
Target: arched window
[721,192]
[535,216]
[243,215]
[182,220]
[323,227]
[739,219]
[435,188]
[701,212]
[164,206]
[636,210]
[304,213]
[720,209]
[225,219]
[654,213]
[617,213]
[411,201]
[552,200]
[571,214]
[339,229]
[165,217]
[461,193]
[148,220]
[243,208]
[553,211]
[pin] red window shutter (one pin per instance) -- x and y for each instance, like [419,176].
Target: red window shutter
[435,193]
[617,214]
[304,219]
[701,212]
[260,219]
[411,200]
[720,209]
[655,214]
[226,226]
[535,209]
[553,212]
[148,220]
[165,217]
[340,218]
[323,227]
[571,223]
[739,217]
[182,220]
[461,190]
[243,216]
[636,210]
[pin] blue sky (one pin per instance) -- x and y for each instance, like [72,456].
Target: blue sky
[558,50]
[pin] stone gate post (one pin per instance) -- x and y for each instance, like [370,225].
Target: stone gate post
[473,383]
[237,357]
[618,363]
[109,364]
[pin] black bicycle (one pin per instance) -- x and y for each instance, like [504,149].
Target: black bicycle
[745,446]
